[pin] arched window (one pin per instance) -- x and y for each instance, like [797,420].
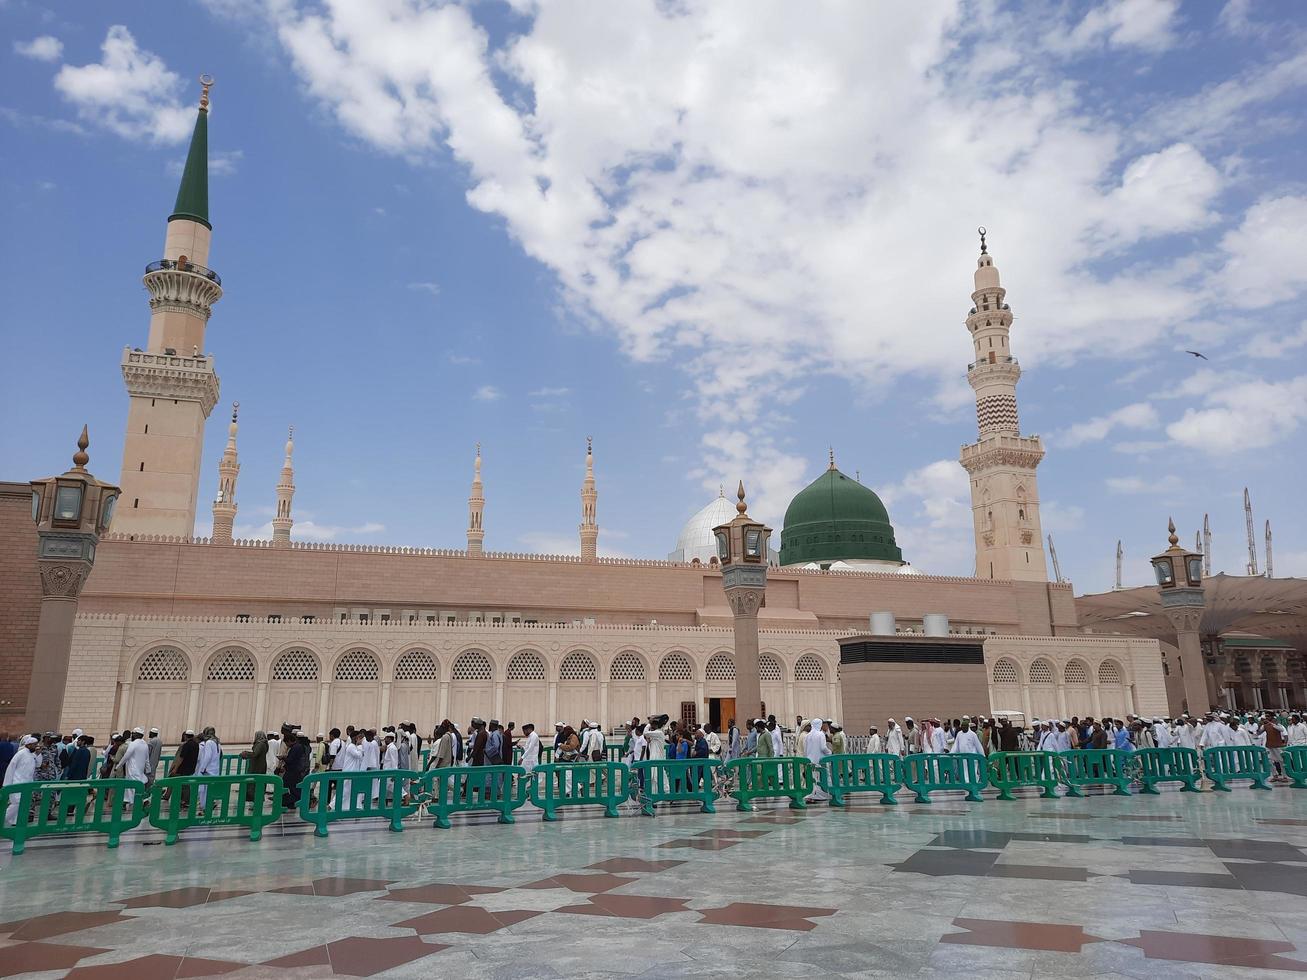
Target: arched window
[526,666]
[416,665]
[675,668]
[1005,672]
[295,665]
[1041,672]
[627,667]
[770,668]
[1076,672]
[472,666]
[1109,672]
[358,665]
[577,666]
[720,668]
[163,664]
[232,664]
[809,668]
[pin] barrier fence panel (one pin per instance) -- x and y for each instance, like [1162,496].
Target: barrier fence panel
[1096,767]
[1294,759]
[671,780]
[787,777]
[840,775]
[469,789]
[1174,765]
[350,796]
[1015,770]
[231,764]
[562,784]
[928,772]
[1225,762]
[181,802]
[96,806]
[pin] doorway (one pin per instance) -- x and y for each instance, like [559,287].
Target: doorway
[721,711]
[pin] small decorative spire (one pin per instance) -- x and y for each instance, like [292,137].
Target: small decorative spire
[589,445]
[721,490]
[741,507]
[857,475]
[981,231]
[1173,539]
[80,459]
[235,408]
[206,83]
[832,456]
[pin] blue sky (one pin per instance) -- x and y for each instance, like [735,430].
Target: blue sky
[718,238]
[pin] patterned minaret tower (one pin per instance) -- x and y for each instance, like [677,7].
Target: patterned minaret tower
[171,383]
[1001,463]
[229,468]
[589,496]
[281,524]
[476,505]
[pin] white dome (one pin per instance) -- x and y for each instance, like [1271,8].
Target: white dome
[696,538]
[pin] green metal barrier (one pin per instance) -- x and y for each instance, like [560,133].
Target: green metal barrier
[670,780]
[348,796]
[928,772]
[840,775]
[1174,765]
[230,764]
[1225,762]
[467,789]
[1014,770]
[229,801]
[557,785]
[1294,759]
[1096,767]
[94,806]
[788,777]
[546,754]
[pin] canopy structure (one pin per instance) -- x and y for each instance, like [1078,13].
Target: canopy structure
[1270,607]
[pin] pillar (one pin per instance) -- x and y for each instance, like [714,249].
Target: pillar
[499,700]
[324,705]
[260,705]
[385,702]
[1096,698]
[553,704]
[443,705]
[124,707]
[603,718]
[1061,701]
[1196,694]
[193,707]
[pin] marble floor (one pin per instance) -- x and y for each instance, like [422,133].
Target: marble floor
[1178,885]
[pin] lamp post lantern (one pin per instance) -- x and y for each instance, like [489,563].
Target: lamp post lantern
[1180,581]
[742,550]
[71,511]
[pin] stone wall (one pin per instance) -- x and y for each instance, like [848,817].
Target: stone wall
[20,602]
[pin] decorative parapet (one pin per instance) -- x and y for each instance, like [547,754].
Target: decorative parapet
[182,288]
[188,377]
[999,450]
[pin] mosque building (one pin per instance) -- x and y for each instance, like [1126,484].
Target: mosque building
[177,631]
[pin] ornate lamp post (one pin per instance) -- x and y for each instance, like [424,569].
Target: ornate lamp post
[71,512]
[1180,582]
[742,549]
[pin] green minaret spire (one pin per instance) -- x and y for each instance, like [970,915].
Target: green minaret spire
[193,194]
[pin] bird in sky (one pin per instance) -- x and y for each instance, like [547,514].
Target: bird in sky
[1196,354]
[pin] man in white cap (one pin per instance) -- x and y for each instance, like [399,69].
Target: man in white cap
[135,761]
[530,748]
[155,744]
[1161,733]
[895,744]
[815,748]
[21,769]
[966,740]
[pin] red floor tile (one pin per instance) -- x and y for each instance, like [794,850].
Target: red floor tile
[156,967]
[60,923]
[627,906]
[1020,935]
[362,957]
[438,894]
[1218,950]
[35,957]
[764,916]
[583,883]
[464,918]
[632,865]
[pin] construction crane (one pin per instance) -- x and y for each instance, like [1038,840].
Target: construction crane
[1119,555]
[1270,569]
[1207,547]
[1057,569]
[1248,522]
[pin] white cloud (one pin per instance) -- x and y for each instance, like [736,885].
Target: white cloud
[1140,415]
[930,509]
[1164,485]
[222,163]
[1273,346]
[487,393]
[771,476]
[462,359]
[1251,415]
[430,288]
[129,92]
[1054,516]
[1139,447]
[308,530]
[1144,24]
[549,392]
[43,48]
[1222,106]
[548,543]
[1264,254]
[1161,193]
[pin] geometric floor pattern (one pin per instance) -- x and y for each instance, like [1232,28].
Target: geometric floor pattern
[1181,885]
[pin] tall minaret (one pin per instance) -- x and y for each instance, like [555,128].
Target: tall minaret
[1001,463]
[476,505]
[229,467]
[589,495]
[281,524]
[171,383]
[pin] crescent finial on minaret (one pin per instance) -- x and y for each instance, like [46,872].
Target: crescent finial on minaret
[206,83]
[982,233]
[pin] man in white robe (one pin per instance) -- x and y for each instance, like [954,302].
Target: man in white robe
[656,736]
[875,744]
[967,741]
[1047,739]
[1297,731]
[530,748]
[1186,735]
[209,762]
[1161,733]
[136,761]
[938,738]
[895,744]
[777,739]
[351,760]
[1239,735]
[815,748]
[21,769]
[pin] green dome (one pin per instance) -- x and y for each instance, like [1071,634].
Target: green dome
[835,518]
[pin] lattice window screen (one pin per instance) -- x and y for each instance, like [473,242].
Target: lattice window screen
[416,665]
[1076,673]
[1041,672]
[577,667]
[358,665]
[627,667]
[163,664]
[809,669]
[1005,672]
[720,668]
[472,666]
[233,664]
[675,668]
[295,665]
[770,668]
[526,667]
[1109,673]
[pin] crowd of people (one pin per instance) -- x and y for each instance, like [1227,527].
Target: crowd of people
[291,754]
